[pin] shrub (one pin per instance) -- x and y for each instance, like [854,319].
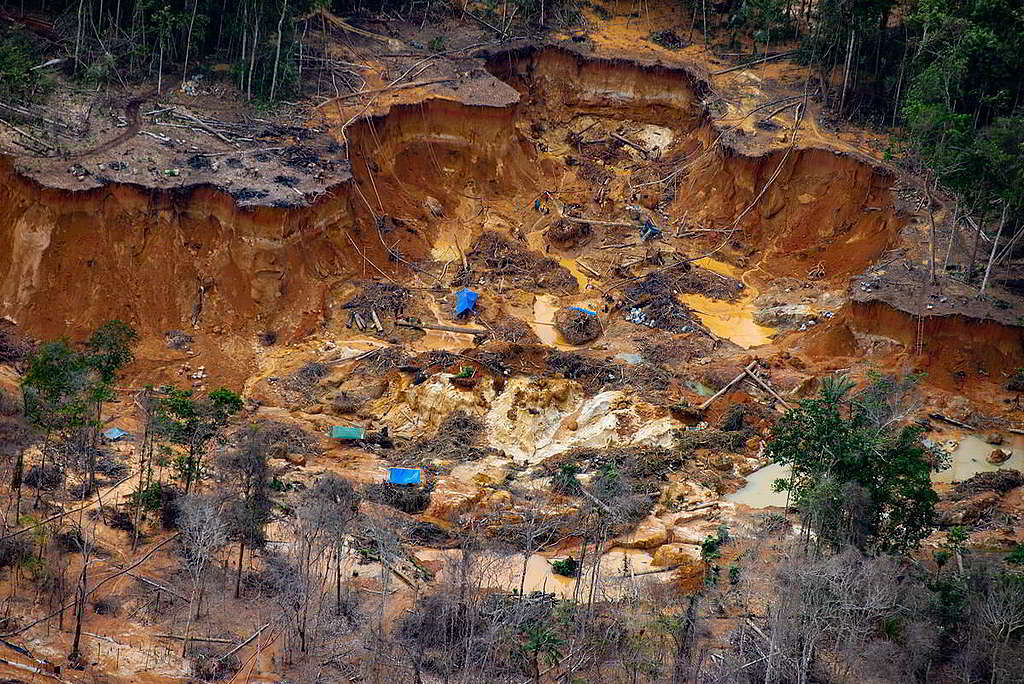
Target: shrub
[565,481]
[566,567]
[406,499]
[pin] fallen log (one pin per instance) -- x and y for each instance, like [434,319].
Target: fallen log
[636,146]
[242,645]
[194,638]
[725,389]
[951,421]
[765,386]
[598,222]
[755,62]
[402,323]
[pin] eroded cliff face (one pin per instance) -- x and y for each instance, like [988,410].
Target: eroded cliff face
[421,175]
[796,209]
[164,260]
[959,353]
[792,209]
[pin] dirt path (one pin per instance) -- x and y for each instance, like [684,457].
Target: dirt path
[131,113]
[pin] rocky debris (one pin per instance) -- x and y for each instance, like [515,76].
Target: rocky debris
[649,534]
[673,553]
[786,317]
[967,511]
[451,498]
[993,438]
[999,456]
[433,206]
[177,339]
[689,577]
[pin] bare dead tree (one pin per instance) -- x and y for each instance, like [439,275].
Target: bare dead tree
[203,534]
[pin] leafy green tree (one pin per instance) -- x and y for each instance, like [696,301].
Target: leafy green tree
[191,423]
[108,350]
[541,641]
[248,472]
[859,474]
[54,394]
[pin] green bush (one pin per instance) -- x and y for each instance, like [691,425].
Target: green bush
[566,567]
[17,80]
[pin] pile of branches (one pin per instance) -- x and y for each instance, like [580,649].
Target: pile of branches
[306,380]
[460,437]
[496,255]
[384,297]
[410,500]
[563,231]
[652,302]
[696,280]
[380,361]
[639,462]
[597,375]
[577,327]
[509,329]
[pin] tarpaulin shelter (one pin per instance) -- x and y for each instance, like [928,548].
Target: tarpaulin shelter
[586,311]
[346,432]
[404,476]
[465,301]
[114,434]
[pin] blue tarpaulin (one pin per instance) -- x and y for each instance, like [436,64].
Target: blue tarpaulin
[404,476]
[345,432]
[465,300]
[114,434]
[586,311]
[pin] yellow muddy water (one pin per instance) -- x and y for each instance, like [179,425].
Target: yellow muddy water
[619,568]
[733,320]
[971,458]
[758,493]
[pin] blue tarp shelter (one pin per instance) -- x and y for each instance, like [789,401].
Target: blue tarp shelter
[404,476]
[465,301]
[114,434]
[586,311]
[650,231]
[346,432]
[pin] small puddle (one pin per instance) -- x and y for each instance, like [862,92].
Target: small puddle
[758,492]
[543,323]
[971,458]
[535,241]
[734,320]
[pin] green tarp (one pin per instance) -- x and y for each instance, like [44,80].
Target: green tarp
[345,432]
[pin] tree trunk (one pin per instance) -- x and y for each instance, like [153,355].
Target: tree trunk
[188,42]
[188,621]
[277,51]
[238,576]
[16,478]
[992,254]
[931,230]
[252,56]
[76,653]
